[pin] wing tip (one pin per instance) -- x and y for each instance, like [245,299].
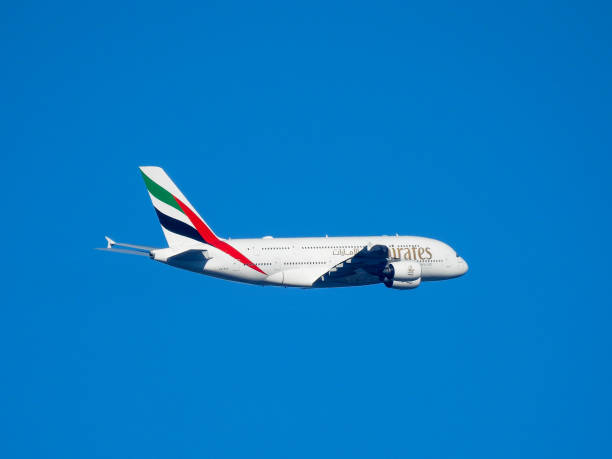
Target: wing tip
[109,242]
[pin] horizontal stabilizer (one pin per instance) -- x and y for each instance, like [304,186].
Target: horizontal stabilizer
[172,254]
[191,255]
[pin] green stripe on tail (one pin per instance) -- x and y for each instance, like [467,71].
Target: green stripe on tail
[160,193]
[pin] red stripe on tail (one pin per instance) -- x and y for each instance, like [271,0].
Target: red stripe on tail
[213,240]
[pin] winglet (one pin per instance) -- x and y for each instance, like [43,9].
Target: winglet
[110,242]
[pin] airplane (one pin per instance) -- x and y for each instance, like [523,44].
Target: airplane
[398,262]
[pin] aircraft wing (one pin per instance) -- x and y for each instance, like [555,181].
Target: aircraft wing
[365,265]
[131,249]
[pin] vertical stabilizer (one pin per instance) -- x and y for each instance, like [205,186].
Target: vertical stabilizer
[180,222]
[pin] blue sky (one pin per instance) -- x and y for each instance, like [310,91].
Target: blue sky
[482,125]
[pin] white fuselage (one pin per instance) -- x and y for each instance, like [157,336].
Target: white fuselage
[302,262]
[399,262]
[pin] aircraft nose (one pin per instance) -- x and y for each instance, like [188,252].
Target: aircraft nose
[463,266]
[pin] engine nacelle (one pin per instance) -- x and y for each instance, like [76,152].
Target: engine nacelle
[403,271]
[403,285]
[402,275]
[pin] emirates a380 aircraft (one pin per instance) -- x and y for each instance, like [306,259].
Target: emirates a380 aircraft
[399,262]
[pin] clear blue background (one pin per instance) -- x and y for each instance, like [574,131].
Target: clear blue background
[487,127]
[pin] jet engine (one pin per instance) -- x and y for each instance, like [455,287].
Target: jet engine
[402,275]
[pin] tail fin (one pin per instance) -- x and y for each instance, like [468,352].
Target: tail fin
[180,222]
